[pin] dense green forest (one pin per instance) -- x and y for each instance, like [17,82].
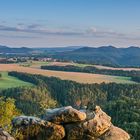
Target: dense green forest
[121,102]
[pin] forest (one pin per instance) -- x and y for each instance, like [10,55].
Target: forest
[120,101]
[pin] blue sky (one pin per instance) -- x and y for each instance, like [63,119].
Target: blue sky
[54,23]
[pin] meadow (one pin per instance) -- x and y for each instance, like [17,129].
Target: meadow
[74,76]
[9,81]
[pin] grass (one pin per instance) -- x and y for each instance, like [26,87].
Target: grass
[9,81]
[74,76]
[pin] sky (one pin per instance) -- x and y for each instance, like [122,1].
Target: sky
[59,23]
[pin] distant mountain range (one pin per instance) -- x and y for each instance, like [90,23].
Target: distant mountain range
[59,49]
[5,49]
[105,55]
[23,50]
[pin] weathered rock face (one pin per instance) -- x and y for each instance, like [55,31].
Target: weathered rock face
[26,121]
[4,135]
[97,123]
[64,115]
[75,125]
[31,128]
[115,133]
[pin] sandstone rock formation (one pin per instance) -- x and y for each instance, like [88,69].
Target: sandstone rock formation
[26,120]
[96,124]
[115,133]
[64,115]
[68,123]
[32,128]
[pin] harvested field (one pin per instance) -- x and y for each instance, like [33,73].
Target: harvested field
[75,76]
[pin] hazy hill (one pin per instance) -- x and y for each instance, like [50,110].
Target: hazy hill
[105,55]
[59,49]
[5,49]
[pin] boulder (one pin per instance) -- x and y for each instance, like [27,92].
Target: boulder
[93,124]
[26,120]
[5,136]
[64,115]
[77,132]
[115,133]
[36,129]
[97,125]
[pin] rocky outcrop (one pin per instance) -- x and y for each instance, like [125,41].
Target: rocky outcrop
[115,133]
[4,135]
[32,128]
[99,124]
[96,124]
[64,115]
[68,123]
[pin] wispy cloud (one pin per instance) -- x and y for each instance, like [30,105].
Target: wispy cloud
[108,33]
[38,29]
[19,36]
[43,30]
[104,32]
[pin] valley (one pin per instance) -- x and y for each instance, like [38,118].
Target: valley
[70,70]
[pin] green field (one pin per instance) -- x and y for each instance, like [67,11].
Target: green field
[9,81]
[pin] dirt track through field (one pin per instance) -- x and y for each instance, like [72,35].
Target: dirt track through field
[75,76]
